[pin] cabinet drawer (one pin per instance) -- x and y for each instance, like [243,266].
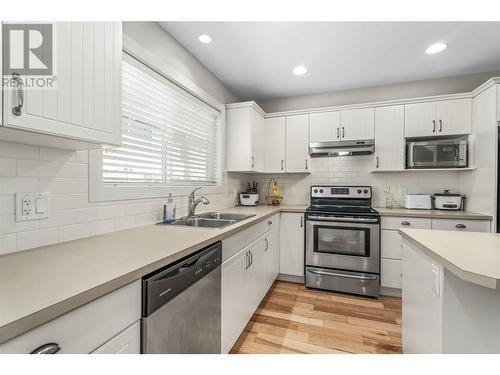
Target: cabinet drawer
[390,273]
[83,330]
[126,342]
[389,222]
[391,244]
[461,225]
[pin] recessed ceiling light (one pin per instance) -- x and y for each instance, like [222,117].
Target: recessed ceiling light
[299,70]
[205,38]
[435,48]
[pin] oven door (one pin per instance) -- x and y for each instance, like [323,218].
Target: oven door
[346,245]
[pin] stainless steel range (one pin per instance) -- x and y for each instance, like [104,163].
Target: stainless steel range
[343,240]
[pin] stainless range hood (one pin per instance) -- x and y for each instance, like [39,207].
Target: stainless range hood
[342,148]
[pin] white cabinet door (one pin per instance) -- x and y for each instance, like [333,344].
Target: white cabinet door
[390,273]
[292,244]
[357,124]
[257,274]
[272,256]
[126,342]
[297,144]
[390,138]
[85,103]
[275,149]
[462,225]
[324,127]
[420,120]
[257,126]
[454,117]
[235,307]
[391,244]
[238,139]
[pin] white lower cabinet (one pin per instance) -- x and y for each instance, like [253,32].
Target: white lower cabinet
[87,328]
[391,243]
[247,276]
[292,244]
[126,342]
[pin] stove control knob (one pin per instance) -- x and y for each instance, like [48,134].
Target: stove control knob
[359,191]
[315,190]
[321,191]
[365,191]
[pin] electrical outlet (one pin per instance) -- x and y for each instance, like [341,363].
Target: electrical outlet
[291,192]
[32,206]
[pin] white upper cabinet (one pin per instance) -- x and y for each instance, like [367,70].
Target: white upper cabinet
[84,107]
[454,117]
[389,138]
[447,117]
[244,137]
[275,144]
[297,144]
[357,124]
[324,127]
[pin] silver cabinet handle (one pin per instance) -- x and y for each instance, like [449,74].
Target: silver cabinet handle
[306,164]
[326,273]
[282,165]
[20,94]
[50,348]
[302,221]
[251,258]
[338,132]
[433,126]
[460,226]
[405,223]
[247,260]
[253,162]
[343,132]
[440,125]
[378,159]
[267,244]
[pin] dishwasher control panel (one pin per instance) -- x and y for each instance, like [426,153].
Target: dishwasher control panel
[163,285]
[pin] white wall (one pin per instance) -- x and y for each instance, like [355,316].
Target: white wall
[355,170]
[64,174]
[415,89]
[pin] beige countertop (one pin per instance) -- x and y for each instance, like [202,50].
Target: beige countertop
[471,256]
[438,214]
[41,284]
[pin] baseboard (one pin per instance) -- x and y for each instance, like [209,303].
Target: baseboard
[392,292]
[292,278]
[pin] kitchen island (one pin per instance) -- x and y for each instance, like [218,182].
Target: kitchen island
[451,292]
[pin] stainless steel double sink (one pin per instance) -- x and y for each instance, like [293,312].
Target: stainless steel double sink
[211,220]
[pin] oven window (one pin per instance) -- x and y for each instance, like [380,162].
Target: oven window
[423,154]
[342,240]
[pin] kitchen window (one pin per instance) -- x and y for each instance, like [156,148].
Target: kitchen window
[171,139]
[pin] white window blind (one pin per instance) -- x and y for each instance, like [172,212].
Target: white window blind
[169,136]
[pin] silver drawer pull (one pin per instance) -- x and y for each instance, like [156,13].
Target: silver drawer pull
[20,95]
[460,226]
[357,277]
[50,348]
[406,223]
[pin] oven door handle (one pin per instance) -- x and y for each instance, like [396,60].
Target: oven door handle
[326,273]
[351,219]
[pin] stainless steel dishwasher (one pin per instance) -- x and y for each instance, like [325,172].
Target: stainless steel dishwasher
[181,306]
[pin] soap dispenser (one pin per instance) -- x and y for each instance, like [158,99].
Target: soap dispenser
[169,210]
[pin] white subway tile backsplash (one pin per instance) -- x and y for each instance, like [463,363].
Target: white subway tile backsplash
[88,214]
[51,168]
[54,153]
[8,243]
[102,226]
[12,185]
[7,204]
[37,238]
[124,222]
[8,224]
[59,218]
[73,232]
[82,186]
[58,185]
[8,167]
[110,212]
[136,209]
[68,201]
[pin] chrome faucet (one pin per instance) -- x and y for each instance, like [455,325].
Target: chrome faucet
[192,202]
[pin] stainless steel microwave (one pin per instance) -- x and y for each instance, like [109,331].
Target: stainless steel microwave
[437,153]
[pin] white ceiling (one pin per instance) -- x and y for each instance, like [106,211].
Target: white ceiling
[255,59]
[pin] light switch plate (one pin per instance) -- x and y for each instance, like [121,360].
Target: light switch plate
[32,206]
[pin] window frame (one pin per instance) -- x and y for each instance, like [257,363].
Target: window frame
[98,191]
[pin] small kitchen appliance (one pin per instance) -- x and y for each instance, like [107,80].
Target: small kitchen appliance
[250,197]
[437,153]
[448,201]
[343,240]
[418,201]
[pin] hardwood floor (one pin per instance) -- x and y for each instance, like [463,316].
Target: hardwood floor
[294,319]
